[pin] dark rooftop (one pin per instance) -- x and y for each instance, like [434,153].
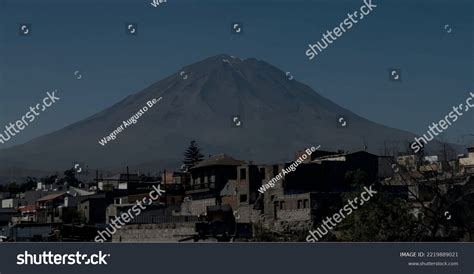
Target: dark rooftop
[219,160]
[50,197]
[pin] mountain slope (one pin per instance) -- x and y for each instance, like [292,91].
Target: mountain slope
[279,116]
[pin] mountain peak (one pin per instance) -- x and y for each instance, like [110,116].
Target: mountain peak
[276,117]
[225,64]
[217,60]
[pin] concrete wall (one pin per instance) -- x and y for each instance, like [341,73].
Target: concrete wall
[154,233]
[246,214]
[294,215]
[468,161]
[8,203]
[12,203]
[196,207]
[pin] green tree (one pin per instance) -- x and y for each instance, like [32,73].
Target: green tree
[49,179]
[70,177]
[385,217]
[357,178]
[30,184]
[382,218]
[192,155]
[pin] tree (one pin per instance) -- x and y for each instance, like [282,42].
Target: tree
[49,179]
[437,198]
[70,178]
[30,184]
[383,218]
[192,155]
[14,188]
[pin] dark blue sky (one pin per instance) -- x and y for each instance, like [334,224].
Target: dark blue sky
[89,36]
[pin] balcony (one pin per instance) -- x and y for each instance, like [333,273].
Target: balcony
[194,188]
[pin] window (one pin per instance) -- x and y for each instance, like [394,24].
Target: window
[213,178]
[275,170]
[305,203]
[243,198]
[272,198]
[282,204]
[299,204]
[262,173]
[243,174]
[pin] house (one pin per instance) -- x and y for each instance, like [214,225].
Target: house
[359,160]
[242,194]
[466,164]
[249,179]
[385,167]
[6,215]
[118,181]
[123,204]
[31,232]
[74,191]
[430,165]
[56,186]
[175,187]
[27,214]
[323,177]
[296,207]
[12,203]
[175,177]
[409,162]
[48,208]
[316,154]
[158,214]
[174,184]
[93,208]
[31,196]
[209,176]
[328,173]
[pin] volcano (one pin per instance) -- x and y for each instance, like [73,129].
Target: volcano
[245,108]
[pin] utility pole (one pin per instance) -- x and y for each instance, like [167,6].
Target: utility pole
[164,184]
[128,177]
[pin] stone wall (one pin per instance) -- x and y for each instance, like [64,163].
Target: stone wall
[303,214]
[196,207]
[154,233]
